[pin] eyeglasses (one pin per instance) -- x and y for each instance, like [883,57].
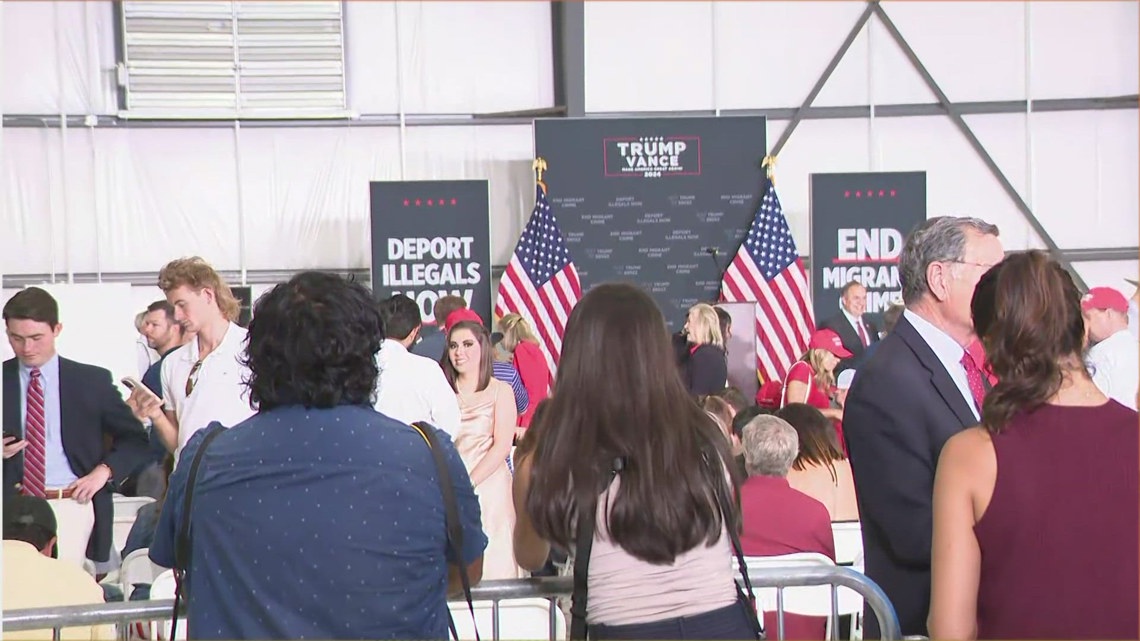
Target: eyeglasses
[192,378]
[967,262]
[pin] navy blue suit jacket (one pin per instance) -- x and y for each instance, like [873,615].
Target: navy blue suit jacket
[96,427]
[902,408]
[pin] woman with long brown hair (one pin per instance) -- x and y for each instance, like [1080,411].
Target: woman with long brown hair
[1047,548]
[487,418]
[622,467]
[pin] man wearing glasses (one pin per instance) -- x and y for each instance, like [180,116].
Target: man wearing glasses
[920,387]
[202,381]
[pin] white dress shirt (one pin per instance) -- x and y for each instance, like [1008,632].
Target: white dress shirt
[219,392]
[1114,367]
[856,323]
[948,351]
[413,388]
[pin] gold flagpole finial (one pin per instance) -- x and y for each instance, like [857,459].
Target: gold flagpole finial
[539,166]
[769,166]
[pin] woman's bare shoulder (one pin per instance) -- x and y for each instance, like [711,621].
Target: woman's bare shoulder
[970,449]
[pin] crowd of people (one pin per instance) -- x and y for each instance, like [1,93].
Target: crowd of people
[319,511]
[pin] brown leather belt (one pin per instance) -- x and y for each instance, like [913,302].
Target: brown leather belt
[53,495]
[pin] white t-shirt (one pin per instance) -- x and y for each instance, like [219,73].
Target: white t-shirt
[1114,367]
[413,388]
[219,392]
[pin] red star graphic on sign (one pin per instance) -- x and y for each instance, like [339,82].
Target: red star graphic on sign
[418,202]
[858,194]
[429,202]
[847,194]
[881,192]
[892,193]
[452,201]
[406,202]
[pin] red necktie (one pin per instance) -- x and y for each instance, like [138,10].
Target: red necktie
[35,432]
[974,378]
[862,332]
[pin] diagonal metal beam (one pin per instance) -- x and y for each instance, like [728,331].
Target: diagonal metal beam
[955,115]
[823,78]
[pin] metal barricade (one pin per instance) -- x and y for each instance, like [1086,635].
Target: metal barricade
[550,588]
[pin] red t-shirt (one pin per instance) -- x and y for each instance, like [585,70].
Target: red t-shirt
[535,377]
[777,520]
[817,398]
[801,372]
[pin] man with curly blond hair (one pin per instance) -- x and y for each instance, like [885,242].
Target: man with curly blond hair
[202,381]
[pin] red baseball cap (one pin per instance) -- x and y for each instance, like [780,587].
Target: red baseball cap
[1104,298]
[829,340]
[459,316]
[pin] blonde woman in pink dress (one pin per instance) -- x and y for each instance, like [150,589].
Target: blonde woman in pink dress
[487,426]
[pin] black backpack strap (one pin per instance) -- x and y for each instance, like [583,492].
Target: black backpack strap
[451,517]
[738,551]
[583,545]
[182,545]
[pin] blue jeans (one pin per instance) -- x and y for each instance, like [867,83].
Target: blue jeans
[729,622]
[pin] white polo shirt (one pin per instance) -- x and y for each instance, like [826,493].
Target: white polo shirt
[413,388]
[1114,367]
[219,392]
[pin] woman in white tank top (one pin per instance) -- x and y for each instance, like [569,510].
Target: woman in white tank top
[621,438]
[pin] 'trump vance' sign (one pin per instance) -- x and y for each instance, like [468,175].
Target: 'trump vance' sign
[858,224]
[432,239]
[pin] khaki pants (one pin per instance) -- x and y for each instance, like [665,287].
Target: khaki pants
[74,522]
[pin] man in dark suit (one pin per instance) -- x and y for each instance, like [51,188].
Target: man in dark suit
[920,387]
[57,415]
[856,332]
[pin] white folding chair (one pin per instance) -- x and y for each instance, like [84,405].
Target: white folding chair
[126,510]
[128,506]
[137,568]
[848,541]
[519,619]
[163,588]
[806,600]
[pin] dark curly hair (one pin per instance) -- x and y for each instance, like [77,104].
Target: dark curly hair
[1027,312]
[313,341]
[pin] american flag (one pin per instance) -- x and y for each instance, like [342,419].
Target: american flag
[541,283]
[767,270]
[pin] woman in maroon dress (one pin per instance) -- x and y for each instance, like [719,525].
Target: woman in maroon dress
[1047,549]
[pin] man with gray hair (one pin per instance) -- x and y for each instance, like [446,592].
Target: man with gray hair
[920,387]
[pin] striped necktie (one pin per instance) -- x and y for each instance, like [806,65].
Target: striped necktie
[35,432]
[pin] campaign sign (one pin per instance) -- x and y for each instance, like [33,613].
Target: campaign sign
[858,225]
[432,238]
[659,202]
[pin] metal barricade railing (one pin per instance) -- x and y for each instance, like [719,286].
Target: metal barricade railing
[836,577]
[550,588]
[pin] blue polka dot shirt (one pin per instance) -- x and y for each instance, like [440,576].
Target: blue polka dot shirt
[317,524]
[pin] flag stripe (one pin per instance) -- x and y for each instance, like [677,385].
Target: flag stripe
[541,283]
[768,271]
